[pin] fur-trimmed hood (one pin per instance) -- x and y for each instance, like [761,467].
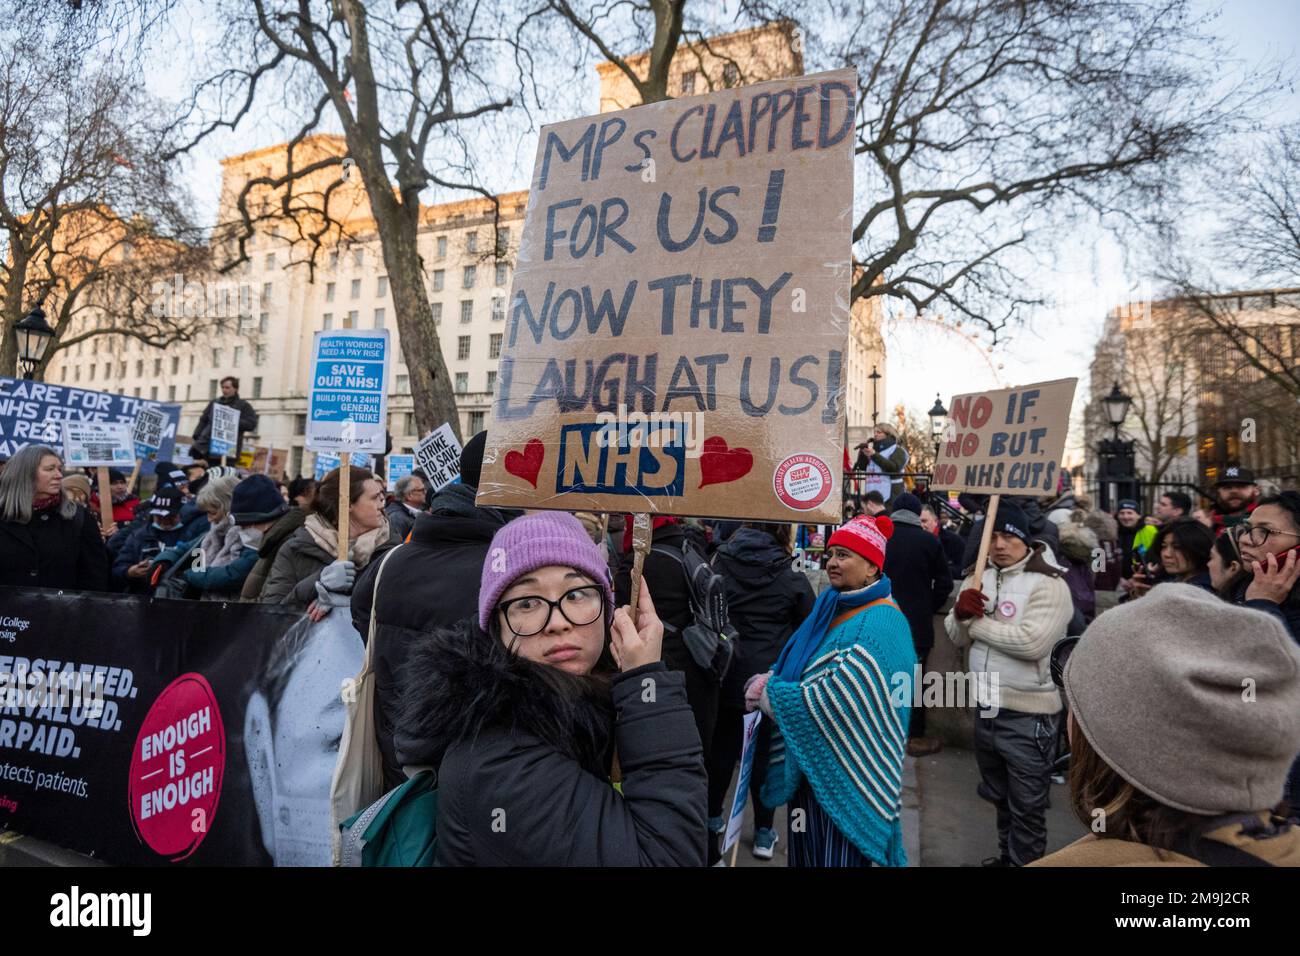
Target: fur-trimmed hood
[1078,542]
[459,682]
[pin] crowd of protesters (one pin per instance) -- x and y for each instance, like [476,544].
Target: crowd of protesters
[507,658]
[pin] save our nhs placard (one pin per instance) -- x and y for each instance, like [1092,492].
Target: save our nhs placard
[348,406]
[677,329]
[34,412]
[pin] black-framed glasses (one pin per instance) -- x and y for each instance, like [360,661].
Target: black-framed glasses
[1257,535]
[1060,654]
[529,615]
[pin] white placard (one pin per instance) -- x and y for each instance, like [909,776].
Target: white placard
[91,444]
[438,456]
[225,430]
[348,406]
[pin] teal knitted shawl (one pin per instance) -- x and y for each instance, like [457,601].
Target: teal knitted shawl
[837,727]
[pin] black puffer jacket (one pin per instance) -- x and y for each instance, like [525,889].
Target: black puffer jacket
[767,600]
[430,582]
[51,551]
[919,577]
[523,754]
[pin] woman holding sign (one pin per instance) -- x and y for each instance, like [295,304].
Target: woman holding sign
[520,709]
[309,557]
[837,747]
[46,539]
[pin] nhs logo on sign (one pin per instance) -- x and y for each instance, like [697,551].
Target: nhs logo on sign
[642,459]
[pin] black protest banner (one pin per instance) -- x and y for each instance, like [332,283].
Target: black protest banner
[152,732]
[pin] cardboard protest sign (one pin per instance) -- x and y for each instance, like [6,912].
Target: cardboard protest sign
[150,424]
[677,326]
[34,412]
[399,466]
[225,430]
[91,444]
[1010,440]
[348,406]
[266,461]
[438,456]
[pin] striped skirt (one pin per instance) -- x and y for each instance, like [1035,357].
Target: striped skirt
[818,842]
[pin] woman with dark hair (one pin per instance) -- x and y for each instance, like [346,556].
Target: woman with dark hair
[520,708]
[1180,551]
[307,574]
[766,600]
[1171,763]
[1226,568]
[47,540]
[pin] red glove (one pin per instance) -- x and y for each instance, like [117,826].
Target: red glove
[970,603]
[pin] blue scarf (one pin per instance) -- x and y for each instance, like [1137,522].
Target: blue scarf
[804,642]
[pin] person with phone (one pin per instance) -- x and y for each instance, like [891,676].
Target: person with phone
[164,529]
[1269,544]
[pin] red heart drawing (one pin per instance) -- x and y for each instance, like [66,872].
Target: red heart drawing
[720,464]
[527,465]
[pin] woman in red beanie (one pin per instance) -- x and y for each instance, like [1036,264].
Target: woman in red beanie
[837,747]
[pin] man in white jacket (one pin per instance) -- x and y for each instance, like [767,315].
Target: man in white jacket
[1012,619]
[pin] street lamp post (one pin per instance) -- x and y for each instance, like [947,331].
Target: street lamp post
[1115,455]
[938,420]
[875,409]
[34,335]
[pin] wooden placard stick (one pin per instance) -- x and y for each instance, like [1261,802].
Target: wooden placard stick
[105,498]
[345,495]
[986,538]
[641,532]
[135,473]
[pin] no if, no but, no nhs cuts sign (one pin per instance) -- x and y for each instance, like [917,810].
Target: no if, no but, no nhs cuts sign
[349,395]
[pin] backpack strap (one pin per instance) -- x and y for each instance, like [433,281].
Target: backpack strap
[854,612]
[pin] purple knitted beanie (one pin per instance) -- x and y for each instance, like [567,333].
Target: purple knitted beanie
[535,541]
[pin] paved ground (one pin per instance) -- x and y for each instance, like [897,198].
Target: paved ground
[944,822]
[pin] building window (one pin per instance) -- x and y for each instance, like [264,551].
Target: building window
[266,292]
[492,381]
[500,278]
[467,310]
[328,322]
[270,261]
[76,374]
[176,364]
[108,370]
[191,363]
[121,369]
[216,358]
[259,354]
[475,422]
[688,83]
[402,384]
[263,323]
[462,383]
[494,346]
[157,366]
[329,292]
[439,278]
[356,288]
[188,388]
[437,313]
[471,242]
[351,321]
[295,460]
[382,288]
[462,347]
[153,394]
[498,309]
[408,423]
[257,387]
[467,280]
[442,247]
[137,391]
[300,424]
[730,75]
[359,257]
[237,356]
[212,388]
[171,393]
[334,258]
[139,368]
[379,318]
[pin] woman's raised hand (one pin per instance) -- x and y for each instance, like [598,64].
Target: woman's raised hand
[643,644]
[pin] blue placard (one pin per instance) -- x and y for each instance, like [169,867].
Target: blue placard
[34,412]
[327,461]
[348,402]
[399,466]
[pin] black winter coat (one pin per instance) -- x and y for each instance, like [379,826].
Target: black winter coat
[51,551]
[523,753]
[431,582]
[919,579]
[400,521]
[767,600]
